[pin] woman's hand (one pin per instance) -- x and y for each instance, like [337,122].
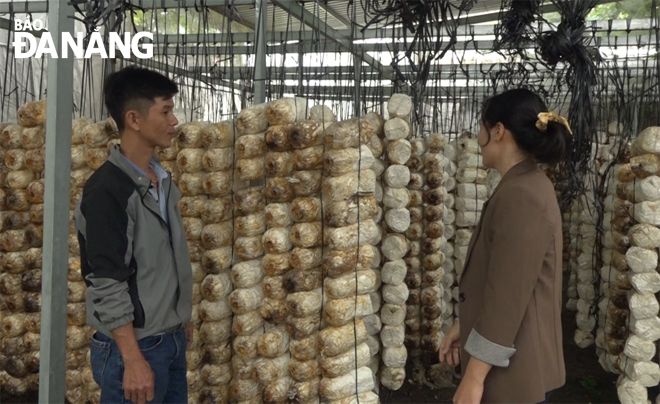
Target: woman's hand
[469,391]
[450,349]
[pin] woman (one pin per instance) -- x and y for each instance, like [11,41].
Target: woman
[509,339]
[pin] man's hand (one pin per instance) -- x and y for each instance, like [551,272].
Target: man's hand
[189,335]
[450,348]
[138,381]
[138,375]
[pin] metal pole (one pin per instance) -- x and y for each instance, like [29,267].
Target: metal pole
[109,63]
[358,78]
[261,11]
[301,73]
[57,184]
[357,65]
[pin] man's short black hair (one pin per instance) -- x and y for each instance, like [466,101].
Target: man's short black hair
[135,88]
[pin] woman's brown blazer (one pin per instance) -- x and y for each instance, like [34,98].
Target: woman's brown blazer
[510,296]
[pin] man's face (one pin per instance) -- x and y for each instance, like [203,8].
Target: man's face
[158,126]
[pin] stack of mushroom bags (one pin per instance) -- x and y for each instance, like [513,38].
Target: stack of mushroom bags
[471,193]
[97,140]
[586,274]
[410,267]
[304,279]
[372,323]
[434,242]
[580,242]
[400,257]
[572,247]
[188,163]
[292,303]
[586,268]
[272,367]
[21,219]
[613,313]
[351,231]
[201,159]
[22,189]
[248,252]
[643,191]
[586,244]
[449,280]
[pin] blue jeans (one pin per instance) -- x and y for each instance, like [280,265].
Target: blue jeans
[166,354]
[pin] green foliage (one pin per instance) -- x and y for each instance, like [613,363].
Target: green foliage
[621,10]
[554,18]
[182,21]
[588,382]
[618,10]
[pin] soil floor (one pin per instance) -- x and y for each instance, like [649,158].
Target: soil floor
[586,381]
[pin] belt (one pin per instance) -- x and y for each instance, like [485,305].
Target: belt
[171,330]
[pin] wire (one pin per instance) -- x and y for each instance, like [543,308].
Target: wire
[96,13]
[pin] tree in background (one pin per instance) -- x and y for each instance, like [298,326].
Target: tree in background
[184,21]
[618,10]
[622,9]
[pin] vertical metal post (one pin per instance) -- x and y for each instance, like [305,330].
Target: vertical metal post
[260,52]
[109,63]
[358,78]
[57,184]
[357,65]
[301,73]
[635,118]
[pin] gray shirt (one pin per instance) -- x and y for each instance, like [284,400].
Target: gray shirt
[158,194]
[136,267]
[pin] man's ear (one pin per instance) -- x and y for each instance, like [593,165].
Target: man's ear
[132,119]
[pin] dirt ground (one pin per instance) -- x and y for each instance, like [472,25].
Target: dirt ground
[586,381]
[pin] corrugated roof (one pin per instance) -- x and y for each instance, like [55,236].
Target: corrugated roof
[481,6]
[338,14]
[279,20]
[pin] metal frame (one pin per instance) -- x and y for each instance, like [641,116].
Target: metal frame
[195,75]
[442,72]
[60,109]
[57,183]
[224,11]
[341,18]
[343,42]
[260,73]
[41,6]
[464,34]
[309,47]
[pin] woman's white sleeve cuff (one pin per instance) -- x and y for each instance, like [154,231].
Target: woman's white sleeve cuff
[488,351]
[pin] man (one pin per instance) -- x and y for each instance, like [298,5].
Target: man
[134,253]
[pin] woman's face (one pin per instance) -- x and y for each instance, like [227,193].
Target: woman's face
[485,142]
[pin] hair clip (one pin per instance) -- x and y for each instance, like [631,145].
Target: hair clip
[544,117]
